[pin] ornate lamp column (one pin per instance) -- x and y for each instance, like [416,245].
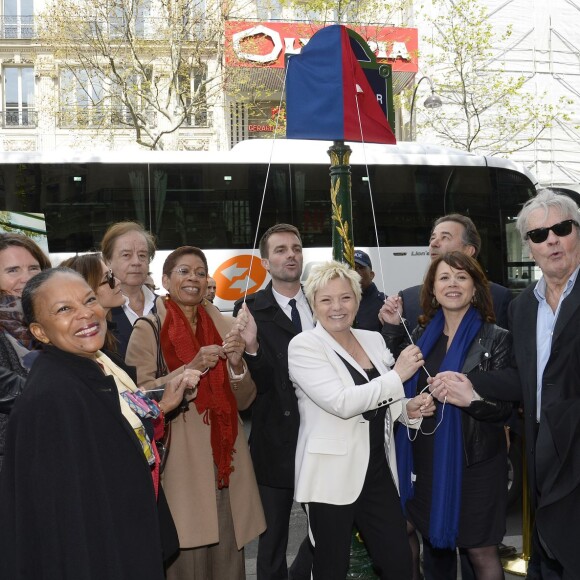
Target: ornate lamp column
[341,203]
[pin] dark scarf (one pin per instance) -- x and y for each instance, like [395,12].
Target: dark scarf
[12,321]
[448,444]
[215,400]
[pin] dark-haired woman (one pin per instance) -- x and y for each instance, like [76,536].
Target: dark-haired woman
[208,478]
[20,260]
[80,480]
[452,476]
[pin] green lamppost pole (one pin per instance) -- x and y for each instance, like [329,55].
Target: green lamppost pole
[341,203]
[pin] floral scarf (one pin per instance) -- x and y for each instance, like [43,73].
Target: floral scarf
[134,404]
[215,400]
[12,321]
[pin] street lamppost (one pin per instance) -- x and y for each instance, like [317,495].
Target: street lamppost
[433,101]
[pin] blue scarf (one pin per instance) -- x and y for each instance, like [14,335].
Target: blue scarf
[448,445]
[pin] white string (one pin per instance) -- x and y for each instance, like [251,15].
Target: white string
[370,192]
[382,274]
[420,430]
[383,278]
[265,186]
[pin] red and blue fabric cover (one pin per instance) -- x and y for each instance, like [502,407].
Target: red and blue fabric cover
[324,83]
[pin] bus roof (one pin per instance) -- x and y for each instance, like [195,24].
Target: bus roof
[276,151]
[403,153]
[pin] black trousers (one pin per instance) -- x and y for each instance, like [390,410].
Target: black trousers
[541,566]
[378,516]
[273,543]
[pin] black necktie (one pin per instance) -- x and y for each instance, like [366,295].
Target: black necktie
[295,315]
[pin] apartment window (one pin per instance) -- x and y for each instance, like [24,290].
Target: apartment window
[195,98]
[123,19]
[136,90]
[17,21]
[269,10]
[81,98]
[19,97]
[143,21]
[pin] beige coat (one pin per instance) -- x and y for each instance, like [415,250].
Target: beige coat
[189,478]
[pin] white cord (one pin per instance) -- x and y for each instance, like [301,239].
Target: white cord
[265,186]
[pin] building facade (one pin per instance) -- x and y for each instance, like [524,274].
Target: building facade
[53,98]
[543,46]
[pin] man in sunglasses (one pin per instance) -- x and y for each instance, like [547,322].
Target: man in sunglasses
[545,323]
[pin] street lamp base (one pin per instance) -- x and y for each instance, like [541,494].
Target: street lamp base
[518,565]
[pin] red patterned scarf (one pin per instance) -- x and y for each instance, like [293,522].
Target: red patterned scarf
[215,400]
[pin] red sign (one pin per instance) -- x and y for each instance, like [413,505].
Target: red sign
[255,44]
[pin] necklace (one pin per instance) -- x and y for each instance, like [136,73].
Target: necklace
[351,352]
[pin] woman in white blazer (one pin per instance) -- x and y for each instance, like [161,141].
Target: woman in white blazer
[349,398]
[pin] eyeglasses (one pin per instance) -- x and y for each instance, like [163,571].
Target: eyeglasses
[109,279]
[561,229]
[187,272]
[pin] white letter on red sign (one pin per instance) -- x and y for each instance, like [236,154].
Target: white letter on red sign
[256,31]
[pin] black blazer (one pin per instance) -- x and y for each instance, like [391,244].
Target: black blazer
[275,418]
[519,382]
[500,295]
[552,446]
[77,492]
[122,328]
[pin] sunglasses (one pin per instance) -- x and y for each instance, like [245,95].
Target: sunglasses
[561,229]
[109,279]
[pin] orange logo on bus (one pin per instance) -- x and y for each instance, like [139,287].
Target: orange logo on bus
[232,277]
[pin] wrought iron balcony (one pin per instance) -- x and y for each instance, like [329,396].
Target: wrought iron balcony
[81,117]
[198,118]
[15,118]
[16,27]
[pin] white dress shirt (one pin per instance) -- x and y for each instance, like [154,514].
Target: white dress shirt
[147,306]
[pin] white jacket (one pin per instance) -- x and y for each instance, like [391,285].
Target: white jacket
[332,453]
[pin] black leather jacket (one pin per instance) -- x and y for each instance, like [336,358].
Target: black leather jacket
[483,421]
[12,380]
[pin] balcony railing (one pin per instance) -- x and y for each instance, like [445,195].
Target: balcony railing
[16,27]
[15,118]
[199,118]
[71,117]
[80,117]
[142,27]
[146,28]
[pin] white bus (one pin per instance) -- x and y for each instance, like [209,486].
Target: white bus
[212,200]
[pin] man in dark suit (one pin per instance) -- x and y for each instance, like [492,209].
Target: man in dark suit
[372,298]
[545,375]
[450,233]
[278,313]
